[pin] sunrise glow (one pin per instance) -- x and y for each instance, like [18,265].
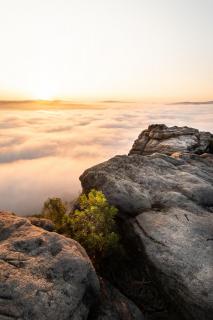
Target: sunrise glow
[43,92]
[139,50]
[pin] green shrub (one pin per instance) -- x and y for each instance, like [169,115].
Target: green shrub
[54,209]
[92,225]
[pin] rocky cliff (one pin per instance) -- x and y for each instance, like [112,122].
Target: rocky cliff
[164,192]
[46,276]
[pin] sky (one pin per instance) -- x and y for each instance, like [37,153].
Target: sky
[144,50]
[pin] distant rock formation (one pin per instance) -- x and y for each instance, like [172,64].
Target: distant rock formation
[164,192]
[192,102]
[167,140]
[43,275]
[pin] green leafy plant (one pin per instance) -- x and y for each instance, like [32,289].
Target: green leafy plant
[55,209]
[93,224]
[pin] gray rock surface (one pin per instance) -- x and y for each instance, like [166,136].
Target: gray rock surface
[167,140]
[45,224]
[167,206]
[43,275]
[115,306]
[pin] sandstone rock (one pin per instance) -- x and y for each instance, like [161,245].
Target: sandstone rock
[115,306]
[138,183]
[179,249]
[163,139]
[166,203]
[45,224]
[43,275]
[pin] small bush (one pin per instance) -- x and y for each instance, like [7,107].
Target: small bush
[92,225]
[55,209]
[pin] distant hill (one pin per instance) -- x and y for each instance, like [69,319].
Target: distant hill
[191,102]
[46,104]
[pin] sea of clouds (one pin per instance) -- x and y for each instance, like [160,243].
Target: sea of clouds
[43,152]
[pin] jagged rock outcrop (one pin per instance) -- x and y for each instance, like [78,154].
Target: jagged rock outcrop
[114,306]
[43,275]
[166,203]
[167,140]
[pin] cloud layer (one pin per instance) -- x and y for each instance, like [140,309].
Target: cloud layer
[42,153]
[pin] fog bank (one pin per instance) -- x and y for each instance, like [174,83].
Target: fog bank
[43,152]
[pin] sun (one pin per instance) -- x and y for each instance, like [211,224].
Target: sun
[43,91]
[43,95]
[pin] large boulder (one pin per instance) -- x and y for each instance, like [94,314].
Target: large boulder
[166,203]
[163,139]
[43,275]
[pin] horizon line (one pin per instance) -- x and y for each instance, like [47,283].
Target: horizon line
[72,101]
